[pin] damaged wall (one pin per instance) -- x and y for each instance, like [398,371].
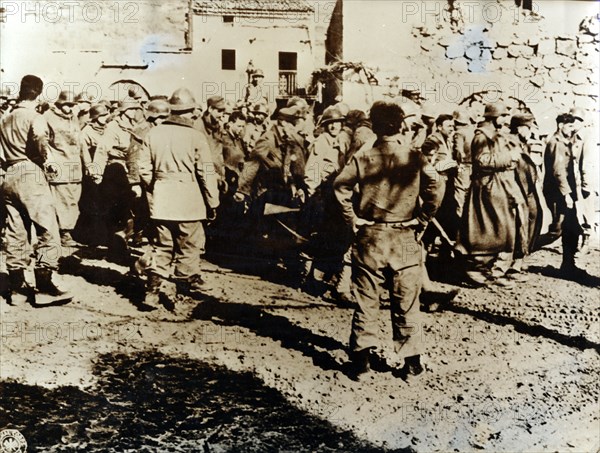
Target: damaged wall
[492,46]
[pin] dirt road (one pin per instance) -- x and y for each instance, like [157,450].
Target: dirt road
[258,366]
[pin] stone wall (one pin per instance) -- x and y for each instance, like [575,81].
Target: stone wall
[531,67]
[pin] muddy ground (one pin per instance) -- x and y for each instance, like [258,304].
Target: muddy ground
[259,366]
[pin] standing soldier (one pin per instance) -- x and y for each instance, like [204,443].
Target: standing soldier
[95,148]
[210,124]
[115,188]
[64,138]
[157,111]
[585,151]
[258,125]
[274,174]
[461,152]
[83,109]
[562,189]
[390,178]
[177,171]
[495,208]
[27,196]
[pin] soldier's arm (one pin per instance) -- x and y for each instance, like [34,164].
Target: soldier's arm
[252,166]
[558,165]
[344,188]
[133,157]
[145,165]
[485,156]
[206,172]
[40,133]
[431,191]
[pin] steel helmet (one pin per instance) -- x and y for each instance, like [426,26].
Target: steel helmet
[158,108]
[182,100]
[97,111]
[66,98]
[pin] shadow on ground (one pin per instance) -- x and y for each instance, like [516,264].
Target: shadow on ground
[155,403]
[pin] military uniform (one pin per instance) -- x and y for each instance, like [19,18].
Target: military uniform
[177,171]
[67,155]
[495,209]
[390,177]
[27,198]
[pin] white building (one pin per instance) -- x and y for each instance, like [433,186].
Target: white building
[204,45]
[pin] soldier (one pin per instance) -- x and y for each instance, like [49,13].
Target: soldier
[115,188]
[83,109]
[157,111]
[27,197]
[234,152]
[258,125]
[527,177]
[585,151]
[562,189]
[256,91]
[175,159]
[210,124]
[274,174]
[324,224]
[495,209]
[95,144]
[67,146]
[390,178]
[461,153]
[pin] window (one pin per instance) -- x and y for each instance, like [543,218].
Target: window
[228,59]
[526,4]
[288,61]
[228,19]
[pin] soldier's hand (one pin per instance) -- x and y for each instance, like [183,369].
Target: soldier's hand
[212,215]
[137,191]
[51,171]
[241,200]
[569,201]
[358,223]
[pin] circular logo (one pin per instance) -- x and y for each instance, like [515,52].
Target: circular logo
[12,441]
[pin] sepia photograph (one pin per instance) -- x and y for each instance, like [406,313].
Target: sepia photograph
[300,226]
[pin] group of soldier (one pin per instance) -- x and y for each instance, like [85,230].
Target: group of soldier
[352,202]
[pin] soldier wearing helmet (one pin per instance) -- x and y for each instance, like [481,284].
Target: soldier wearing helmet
[182,191]
[157,111]
[259,123]
[92,224]
[115,187]
[210,124]
[65,140]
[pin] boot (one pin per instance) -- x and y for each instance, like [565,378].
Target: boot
[193,286]
[153,291]
[45,285]
[18,290]
[584,248]
[359,364]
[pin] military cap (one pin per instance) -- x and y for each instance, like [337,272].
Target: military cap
[578,113]
[261,108]
[290,114]
[217,102]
